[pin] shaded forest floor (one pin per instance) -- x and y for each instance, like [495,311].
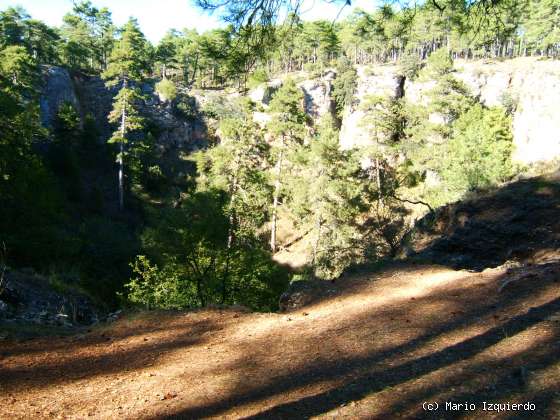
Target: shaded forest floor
[377,348]
[374,345]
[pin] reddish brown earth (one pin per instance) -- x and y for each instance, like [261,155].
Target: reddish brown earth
[379,347]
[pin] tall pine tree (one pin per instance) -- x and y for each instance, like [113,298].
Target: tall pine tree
[127,66]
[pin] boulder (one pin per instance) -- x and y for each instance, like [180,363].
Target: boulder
[301,293]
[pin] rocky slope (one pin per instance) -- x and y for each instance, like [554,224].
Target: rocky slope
[530,85]
[515,225]
[28,299]
[90,96]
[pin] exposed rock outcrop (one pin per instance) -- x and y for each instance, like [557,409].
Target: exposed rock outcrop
[383,81]
[317,97]
[91,97]
[58,88]
[31,298]
[530,86]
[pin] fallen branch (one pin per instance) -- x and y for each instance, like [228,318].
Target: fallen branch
[404,200]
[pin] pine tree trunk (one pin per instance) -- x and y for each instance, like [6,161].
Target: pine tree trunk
[319,225]
[121,155]
[277,186]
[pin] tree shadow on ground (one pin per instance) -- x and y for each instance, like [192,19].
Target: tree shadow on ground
[102,354]
[347,379]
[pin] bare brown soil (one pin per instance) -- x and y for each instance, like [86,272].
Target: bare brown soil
[378,347]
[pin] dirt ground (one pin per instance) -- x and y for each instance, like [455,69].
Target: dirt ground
[380,346]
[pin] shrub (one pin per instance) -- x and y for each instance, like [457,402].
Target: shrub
[479,152]
[166,90]
[510,101]
[439,64]
[153,287]
[313,70]
[185,106]
[258,77]
[410,65]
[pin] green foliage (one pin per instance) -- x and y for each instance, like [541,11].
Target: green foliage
[288,116]
[190,243]
[129,57]
[235,167]
[439,64]
[325,198]
[257,78]
[479,152]
[63,153]
[313,70]
[385,119]
[344,86]
[510,101]
[156,288]
[88,35]
[17,66]
[221,107]
[167,90]
[410,65]
[186,106]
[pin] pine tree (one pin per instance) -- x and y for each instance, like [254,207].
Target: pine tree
[326,198]
[287,126]
[235,166]
[127,65]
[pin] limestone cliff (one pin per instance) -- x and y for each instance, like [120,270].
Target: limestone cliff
[90,96]
[531,86]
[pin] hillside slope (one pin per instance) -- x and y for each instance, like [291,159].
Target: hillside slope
[378,346]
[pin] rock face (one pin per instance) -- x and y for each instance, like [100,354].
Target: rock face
[57,89]
[531,86]
[30,298]
[90,97]
[317,97]
[382,81]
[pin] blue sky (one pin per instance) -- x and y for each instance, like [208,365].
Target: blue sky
[156,17]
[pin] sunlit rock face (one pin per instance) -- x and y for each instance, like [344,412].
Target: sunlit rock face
[317,98]
[530,86]
[533,87]
[379,80]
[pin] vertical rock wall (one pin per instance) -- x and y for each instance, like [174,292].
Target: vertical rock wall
[532,86]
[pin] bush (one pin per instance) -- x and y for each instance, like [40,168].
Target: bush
[186,107]
[439,64]
[258,77]
[479,152]
[510,101]
[153,287]
[344,86]
[313,70]
[410,65]
[166,90]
